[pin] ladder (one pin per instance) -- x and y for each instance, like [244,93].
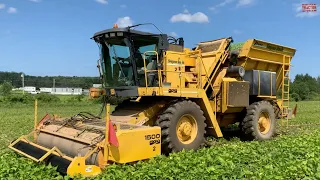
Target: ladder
[285,88]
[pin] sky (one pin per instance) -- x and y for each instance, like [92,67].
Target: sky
[52,37]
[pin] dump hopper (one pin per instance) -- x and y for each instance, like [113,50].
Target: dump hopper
[265,61]
[261,55]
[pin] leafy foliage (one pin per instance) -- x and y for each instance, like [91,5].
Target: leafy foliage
[19,98]
[236,46]
[12,167]
[293,154]
[47,98]
[5,88]
[286,157]
[305,87]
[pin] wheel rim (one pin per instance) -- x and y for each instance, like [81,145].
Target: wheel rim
[187,129]
[264,123]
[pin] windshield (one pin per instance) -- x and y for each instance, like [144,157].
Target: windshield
[116,65]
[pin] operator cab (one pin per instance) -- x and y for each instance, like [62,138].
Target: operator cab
[125,53]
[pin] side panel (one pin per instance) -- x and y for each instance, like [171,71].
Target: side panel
[136,144]
[238,94]
[262,83]
[174,65]
[235,95]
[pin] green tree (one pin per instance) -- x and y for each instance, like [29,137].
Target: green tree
[5,88]
[305,87]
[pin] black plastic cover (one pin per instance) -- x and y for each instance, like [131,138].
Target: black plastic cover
[262,83]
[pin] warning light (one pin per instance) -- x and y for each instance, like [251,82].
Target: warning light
[115,26]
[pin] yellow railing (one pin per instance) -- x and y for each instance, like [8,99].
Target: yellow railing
[146,71]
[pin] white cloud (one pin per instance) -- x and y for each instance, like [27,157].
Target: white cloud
[35,1]
[236,31]
[299,13]
[123,6]
[216,7]
[197,17]
[174,34]
[102,1]
[213,8]
[12,10]
[124,22]
[245,2]
[2,6]
[225,2]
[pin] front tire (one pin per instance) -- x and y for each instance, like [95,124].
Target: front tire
[259,122]
[182,127]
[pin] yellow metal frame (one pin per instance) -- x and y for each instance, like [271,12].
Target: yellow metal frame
[220,56]
[54,150]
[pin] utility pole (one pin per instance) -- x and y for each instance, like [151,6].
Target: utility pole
[22,76]
[54,85]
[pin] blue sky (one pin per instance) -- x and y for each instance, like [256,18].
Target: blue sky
[52,37]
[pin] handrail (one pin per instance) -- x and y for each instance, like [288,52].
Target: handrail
[146,70]
[179,62]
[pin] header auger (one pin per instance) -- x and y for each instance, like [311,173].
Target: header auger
[176,97]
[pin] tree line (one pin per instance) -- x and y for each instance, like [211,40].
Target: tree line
[305,87]
[48,81]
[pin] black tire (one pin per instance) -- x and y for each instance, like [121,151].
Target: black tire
[250,124]
[168,121]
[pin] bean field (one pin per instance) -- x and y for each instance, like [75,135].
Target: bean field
[294,153]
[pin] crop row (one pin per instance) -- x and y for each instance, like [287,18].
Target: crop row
[288,157]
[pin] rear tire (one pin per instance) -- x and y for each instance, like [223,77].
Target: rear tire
[182,127]
[259,122]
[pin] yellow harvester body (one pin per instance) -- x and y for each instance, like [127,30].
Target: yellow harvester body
[177,97]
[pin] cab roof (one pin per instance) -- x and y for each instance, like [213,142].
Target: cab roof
[123,30]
